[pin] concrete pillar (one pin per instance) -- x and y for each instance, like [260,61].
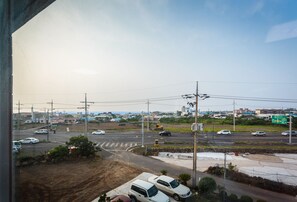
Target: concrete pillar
[6,190]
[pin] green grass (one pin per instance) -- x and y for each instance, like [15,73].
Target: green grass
[186,128]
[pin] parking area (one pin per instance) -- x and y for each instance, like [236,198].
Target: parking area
[124,189]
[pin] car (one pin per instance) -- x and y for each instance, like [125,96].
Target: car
[259,133]
[224,132]
[122,198]
[171,186]
[143,191]
[29,140]
[98,132]
[41,131]
[286,133]
[16,146]
[165,133]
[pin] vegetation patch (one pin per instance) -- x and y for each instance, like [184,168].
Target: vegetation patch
[233,174]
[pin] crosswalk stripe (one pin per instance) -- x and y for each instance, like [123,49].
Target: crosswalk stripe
[107,144]
[116,144]
[102,144]
[112,144]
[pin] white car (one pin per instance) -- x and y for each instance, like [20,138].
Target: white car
[259,133]
[98,132]
[29,140]
[41,131]
[224,132]
[287,133]
[16,146]
[146,192]
[171,186]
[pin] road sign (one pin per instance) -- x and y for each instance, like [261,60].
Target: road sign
[196,127]
[279,119]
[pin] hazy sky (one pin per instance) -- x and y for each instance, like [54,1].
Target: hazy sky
[117,50]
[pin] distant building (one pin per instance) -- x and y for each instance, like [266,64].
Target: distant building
[268,113]
[244,112]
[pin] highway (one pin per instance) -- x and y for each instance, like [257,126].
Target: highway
[121,141]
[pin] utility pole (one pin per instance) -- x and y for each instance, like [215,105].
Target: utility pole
[86,113]
[52,112]
[142,130]
[19,115]
[233,115]
[290,129]
[148,115]
[195,138]
[195,127]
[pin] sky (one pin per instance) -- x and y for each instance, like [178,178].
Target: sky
[125,52]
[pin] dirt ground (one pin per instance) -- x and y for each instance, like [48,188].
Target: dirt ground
[265,158]
[82,180]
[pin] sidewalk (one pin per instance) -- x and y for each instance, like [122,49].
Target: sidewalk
[155,166]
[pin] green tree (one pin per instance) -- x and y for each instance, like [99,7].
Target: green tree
[58,153]
[207,185]
[83,145]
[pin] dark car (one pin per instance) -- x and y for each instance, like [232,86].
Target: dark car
[165,133]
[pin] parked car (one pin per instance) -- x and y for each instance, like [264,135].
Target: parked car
[16,146]
[122,198]
[165,133]
[171,186]
[41,131]
[259,133]
[29,140]
[286,133]
[98,132]
[224,132]
[145,192]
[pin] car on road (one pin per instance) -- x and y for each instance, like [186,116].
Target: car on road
[259,133]
[16,146]
[165,133]
[170,186]
[224,132]
[98,132]
[41,131]
[29,140]
[145,192]
[287,133]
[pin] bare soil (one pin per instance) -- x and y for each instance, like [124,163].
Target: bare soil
[264,158]
[82,180]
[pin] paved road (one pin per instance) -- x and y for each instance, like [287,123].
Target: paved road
[117,140]
[239,189]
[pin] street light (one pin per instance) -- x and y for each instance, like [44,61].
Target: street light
[196,130]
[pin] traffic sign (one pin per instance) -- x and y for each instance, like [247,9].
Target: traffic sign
[279,119]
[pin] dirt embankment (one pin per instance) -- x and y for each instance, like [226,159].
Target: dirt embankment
[82,180]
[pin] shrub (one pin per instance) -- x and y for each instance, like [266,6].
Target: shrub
[184,177]
[233,198]
[163,172]
[58,153]
[244,198]
[84,146]
[207,185]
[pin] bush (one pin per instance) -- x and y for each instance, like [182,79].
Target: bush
[207,185]
[84,146]
[58,153]
[163,172]
[233,198]
[184,177]
[244,198]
